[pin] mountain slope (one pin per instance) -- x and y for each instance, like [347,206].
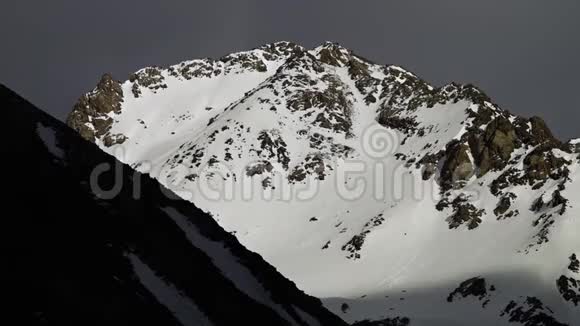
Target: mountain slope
[86,245]
[373,190]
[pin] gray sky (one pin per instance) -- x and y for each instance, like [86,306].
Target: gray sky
[523,54]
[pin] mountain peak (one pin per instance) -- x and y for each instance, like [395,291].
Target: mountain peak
[445,170]
[333,54]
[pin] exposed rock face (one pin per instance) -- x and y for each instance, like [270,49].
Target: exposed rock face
[574,264]
[150,77]
[541,164]
[334,55]
[569,285]
[458,166]
[504,204]
[389,119]
[494,148]
[476,287]
[464,213]
[281,49]
[570,289]
[531,312]
[91,116]
[540,132]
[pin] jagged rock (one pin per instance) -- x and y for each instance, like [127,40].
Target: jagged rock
[541,163]
[90,115]
[358,70]
[110,140]
[476,287]
[574,264]
[313,164]
[259,168]
[569,289]
[248,61]
[334,109]
[273,146]
[569,286]
[333,54]
[493,149]
[429,163]
[150,77]
[354,245]
[540,132]
[559,200]
[532,312]
[464,212]
[389,119]
[504,204]
[281,49]
[538,204]
[428,171]
[458,166]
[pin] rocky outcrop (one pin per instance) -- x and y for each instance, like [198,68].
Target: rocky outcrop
[331,105]
[91,116]
[151,78]
[569,289]
[542,163]
[390,119]
[569,285]
[494,147]
[475,287]
[458,166]
[531,312]
[504,204]
[333,54]
[574,264]
[284,49]
[464,213]
[540,133]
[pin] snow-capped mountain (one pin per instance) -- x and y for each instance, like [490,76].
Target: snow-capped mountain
[80,254]
[391,200]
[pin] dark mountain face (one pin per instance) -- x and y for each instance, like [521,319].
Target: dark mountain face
[76,257]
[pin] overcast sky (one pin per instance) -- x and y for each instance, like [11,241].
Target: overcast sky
[524,54]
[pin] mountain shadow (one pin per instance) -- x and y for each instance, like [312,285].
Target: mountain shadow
[75,257]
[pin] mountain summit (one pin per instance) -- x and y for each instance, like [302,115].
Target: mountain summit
[392,200]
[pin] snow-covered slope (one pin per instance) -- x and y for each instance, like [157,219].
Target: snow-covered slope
[371,189]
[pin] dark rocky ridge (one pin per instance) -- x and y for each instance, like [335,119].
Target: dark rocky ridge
[68,249]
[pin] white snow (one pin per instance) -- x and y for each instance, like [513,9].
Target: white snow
[412,254]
